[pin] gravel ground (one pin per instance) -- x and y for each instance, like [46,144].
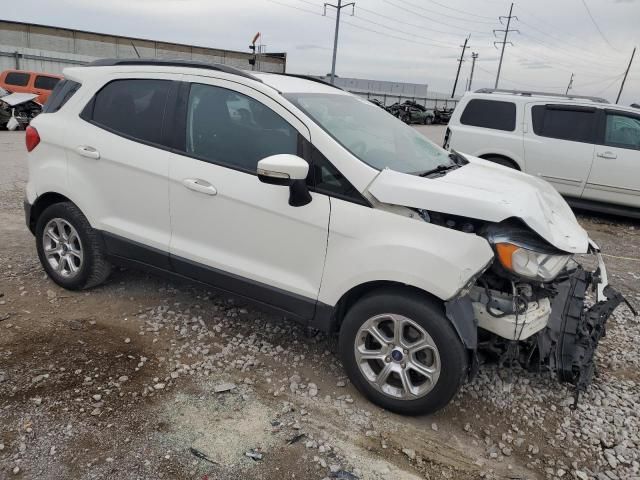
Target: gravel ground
[147,378]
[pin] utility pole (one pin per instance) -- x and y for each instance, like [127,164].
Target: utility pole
[625,74]
[338,8]
[460,60]
[570,85]
[504,41]
[474,57]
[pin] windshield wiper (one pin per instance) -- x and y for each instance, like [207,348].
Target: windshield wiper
[440,168]
[458,158]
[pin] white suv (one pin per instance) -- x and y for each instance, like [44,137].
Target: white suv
[588,149]
[308,200]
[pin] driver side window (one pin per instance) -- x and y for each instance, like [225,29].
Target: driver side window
[228,128]
[623,131]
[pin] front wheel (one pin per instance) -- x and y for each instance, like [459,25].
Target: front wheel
[428,120]
[401,352]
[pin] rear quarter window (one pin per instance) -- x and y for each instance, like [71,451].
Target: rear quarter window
[133,108]
[61,93]
[45,83]
[19,79]
[572,123]
[493,114]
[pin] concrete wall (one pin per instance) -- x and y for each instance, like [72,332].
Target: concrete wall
[50,49]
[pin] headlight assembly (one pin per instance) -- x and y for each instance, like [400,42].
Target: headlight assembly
[530,264]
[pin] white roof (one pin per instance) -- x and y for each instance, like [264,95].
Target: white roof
[288,84]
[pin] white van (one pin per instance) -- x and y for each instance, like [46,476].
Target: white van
[588,149]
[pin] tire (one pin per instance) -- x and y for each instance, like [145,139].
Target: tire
[429,315]
[428,120]
[85,265]
[406,119]
[505,162]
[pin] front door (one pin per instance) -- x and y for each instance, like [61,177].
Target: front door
[228,228]
[615,175]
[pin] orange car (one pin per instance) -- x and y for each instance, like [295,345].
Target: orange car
[22,81]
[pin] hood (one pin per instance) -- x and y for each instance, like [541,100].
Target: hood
[14,99]
[491,192]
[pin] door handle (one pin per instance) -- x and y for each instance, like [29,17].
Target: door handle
[87,151]
[608,155]
[198,185]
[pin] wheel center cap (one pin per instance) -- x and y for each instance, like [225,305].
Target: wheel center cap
[397,355]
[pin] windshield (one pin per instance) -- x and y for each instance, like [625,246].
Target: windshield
[371,133]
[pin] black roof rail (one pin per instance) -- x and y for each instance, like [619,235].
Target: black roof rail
[310,78]
[167,62]
[526,93]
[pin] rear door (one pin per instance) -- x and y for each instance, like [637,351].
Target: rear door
[559,147]
[615,175]
[118,163]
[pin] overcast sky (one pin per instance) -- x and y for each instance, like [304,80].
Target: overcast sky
[402,40]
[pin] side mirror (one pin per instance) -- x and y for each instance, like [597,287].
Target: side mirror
[288,170]
[282,169]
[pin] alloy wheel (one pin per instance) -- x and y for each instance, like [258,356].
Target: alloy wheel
[397,356]
[62,247]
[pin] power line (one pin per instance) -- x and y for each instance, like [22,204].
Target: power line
[414,25]
[462,11]
[595,24]
[384,34]
[430,40]
[555,49]
[418,14]
[579,49]
[454,17]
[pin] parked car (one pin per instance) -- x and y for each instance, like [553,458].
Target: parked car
[320,206]
[588,149]
[17,109]
[410,112]
[442,115]
[377,102]
[22,81]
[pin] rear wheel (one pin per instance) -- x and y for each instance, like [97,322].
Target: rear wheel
[70,250]
[428,120]
[401,352]
[406,119]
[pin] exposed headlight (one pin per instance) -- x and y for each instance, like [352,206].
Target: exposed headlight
[530,264]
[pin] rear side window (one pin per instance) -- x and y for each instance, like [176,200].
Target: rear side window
[62,92]
[19,79]
[575,124]
[132,108]
[45,83]
[492,114]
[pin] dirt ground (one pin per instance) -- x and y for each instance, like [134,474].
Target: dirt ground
[148,378]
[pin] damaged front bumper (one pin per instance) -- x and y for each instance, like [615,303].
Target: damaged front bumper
[568,344]
[557,331]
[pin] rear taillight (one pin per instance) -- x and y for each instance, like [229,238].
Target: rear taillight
[32,138]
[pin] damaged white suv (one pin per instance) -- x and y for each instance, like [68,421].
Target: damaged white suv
[315,203]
